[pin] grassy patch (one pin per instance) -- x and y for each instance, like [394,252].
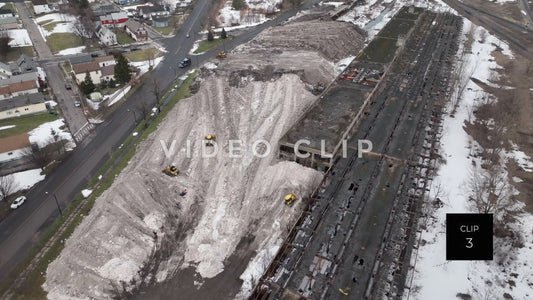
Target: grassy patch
[405,14]
[122,37]
[63,40]
[144,54]
[9,6]
[206,45]
[45,21]
[396,28]
[24,124]
[50,26]
[380,50]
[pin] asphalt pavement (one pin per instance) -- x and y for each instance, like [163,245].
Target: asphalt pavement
[35,35]
[22,228]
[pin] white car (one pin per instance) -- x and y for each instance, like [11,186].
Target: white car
[18,202]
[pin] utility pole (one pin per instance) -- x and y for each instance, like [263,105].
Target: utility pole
[57,204]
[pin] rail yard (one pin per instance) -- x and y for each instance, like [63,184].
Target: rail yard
[355,236]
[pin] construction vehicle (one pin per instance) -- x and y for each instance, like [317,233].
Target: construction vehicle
[171,171]
[221,54]
[290,198]
[210,138]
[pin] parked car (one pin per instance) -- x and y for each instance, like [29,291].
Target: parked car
[77,103]
[18,202]
[68,86]
[185,63]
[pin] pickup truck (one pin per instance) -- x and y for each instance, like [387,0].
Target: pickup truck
[185,63]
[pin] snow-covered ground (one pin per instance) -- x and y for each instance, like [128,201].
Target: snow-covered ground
[42,135]
[26,179]
[20,38]
[249,17]
[7,127]
[116,96]
[144,66]
[70,51]
[434,277]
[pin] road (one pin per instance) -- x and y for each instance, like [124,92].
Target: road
[22,228]
[74,116]
[37,39]
[517,35]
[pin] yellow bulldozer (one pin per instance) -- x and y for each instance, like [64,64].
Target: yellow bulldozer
[290,198]
[171,171]
[221,54]
[209,139]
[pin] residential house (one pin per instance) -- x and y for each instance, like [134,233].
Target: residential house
[92,67]
[104,9]
[148,12]
[21,105]
[136,30]
[9,23]
[5,71]
[19,78]
[24,64]
[160,22]
[105,60]
[108,73]
[125,2]
[106,36]
[41,7]
[19,88]
[5,13]
[114,19]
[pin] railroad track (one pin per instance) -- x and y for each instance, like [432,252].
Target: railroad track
[303,234]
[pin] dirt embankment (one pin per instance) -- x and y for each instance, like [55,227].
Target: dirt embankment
[142,215]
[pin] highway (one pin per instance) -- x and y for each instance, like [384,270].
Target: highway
[23,227]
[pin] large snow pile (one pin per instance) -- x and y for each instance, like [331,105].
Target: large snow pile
[43,136]
[229,198]
[508,277]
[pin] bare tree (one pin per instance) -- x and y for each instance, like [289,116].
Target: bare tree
[41,157]
[143,108]
[490,191]
[7,186]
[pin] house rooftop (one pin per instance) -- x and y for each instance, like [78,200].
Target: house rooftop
[108,70]
[19,78]
[80,59]
[18,87]
[21,101]
[86,67]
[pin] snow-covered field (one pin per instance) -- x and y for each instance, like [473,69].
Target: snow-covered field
[26,179]
[436,278]
[64,23]
[20,38]
[70,51]
[42,135]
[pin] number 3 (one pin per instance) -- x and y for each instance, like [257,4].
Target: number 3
[469,243]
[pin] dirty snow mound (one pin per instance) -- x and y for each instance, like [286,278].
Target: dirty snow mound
[334,40]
